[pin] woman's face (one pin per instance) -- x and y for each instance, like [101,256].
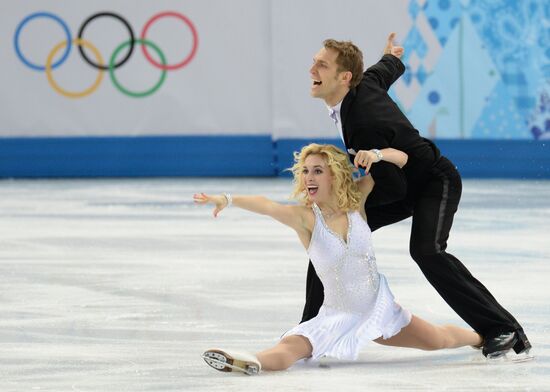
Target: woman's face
[317,178]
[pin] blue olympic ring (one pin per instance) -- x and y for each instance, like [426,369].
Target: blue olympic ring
[42,15]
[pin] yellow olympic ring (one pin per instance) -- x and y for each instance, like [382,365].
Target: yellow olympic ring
[53,83]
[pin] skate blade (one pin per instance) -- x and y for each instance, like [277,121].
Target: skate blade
[507,357]
[224,363]
[523,357]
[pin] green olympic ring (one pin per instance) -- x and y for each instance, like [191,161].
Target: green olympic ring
[123,89]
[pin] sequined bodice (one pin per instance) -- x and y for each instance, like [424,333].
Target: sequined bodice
[346,268]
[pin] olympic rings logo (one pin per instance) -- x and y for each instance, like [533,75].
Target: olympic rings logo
[114,61]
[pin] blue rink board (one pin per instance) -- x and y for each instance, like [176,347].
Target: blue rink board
[144,156]
[233,156]
[518,159]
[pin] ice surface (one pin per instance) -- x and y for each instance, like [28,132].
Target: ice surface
[120,285]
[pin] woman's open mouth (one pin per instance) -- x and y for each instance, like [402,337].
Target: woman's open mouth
[312,190]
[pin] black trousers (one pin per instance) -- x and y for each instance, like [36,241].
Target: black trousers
[432,214]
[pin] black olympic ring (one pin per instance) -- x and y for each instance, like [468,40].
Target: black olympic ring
[128,27]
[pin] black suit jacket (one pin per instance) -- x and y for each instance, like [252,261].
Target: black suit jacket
[371,119]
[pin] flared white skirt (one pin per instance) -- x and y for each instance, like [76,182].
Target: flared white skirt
[342,335]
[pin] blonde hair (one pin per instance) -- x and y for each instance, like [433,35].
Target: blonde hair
[350,58]
[348,194]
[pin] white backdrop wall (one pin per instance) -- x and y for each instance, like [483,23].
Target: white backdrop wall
[212,94]
[475,69]
[249,74]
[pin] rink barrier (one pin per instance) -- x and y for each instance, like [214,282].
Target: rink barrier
[233,156]
[517,159]
[141,156]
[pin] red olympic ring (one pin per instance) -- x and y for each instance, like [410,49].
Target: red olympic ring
[189,57]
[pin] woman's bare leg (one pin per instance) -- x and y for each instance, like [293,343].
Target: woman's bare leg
[425,336]
[285,353]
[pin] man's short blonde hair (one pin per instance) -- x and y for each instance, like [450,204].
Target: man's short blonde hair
[350,58]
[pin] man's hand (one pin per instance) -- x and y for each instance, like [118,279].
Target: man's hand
[397,51]
[365,158]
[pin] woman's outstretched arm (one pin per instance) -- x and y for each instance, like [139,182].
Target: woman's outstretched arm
[288,215]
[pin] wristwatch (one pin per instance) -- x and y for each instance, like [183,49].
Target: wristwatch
[378,154]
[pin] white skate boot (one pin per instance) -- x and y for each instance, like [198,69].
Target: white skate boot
[229,361]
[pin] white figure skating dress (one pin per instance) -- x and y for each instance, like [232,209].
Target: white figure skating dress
[358,306]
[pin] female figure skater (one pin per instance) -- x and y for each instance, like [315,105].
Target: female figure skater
[358,306]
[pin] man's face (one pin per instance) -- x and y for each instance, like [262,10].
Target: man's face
[326,81]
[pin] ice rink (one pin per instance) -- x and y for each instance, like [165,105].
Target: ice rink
[120,285]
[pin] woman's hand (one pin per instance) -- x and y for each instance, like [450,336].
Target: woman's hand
[220,201]
[365,159]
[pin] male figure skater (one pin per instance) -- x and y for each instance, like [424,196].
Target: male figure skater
[428,188]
